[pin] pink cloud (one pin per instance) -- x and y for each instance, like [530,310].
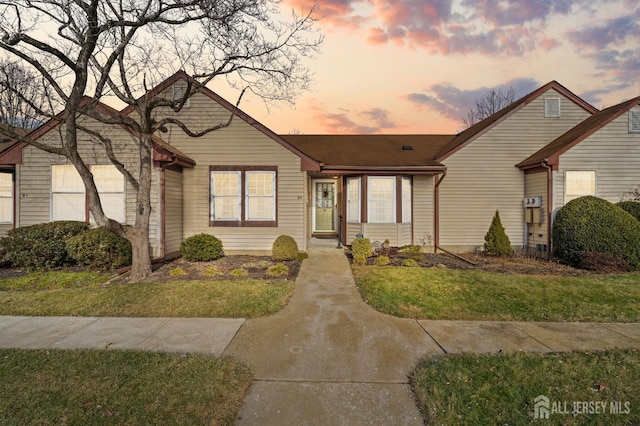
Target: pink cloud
[346,121]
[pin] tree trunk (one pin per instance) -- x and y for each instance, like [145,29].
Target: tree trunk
[141,254]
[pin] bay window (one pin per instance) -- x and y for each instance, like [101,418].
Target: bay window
[406,200]
[381,199]
[353,199]
[6,198]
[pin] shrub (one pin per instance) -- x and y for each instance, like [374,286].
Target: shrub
[302,256]
[100,249]
[278,270]
[177,272]
[497,241]
[41,246]
[602,263]
[591,224]
[239,273]
[201,248]
[410,263]
[413,251]
[284,248]
[362,246]
[631,207]
[382,260]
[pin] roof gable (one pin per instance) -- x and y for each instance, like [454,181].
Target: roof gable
[551,152]
[162,150]
[467,136]
[307,162]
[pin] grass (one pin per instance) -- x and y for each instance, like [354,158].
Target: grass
[244,298]
[500,389]
[53,280]
[119,387]
[431,293]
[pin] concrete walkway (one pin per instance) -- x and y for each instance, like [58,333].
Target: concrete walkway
[327,358]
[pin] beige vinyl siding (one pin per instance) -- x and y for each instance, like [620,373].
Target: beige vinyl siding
[612,152]
[398,234]
[482,177]
[535,185]
[240,144]
[173,212]
[353,229]
[4,228]
[422,210]
[34,177]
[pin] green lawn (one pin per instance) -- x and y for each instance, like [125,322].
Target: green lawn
[52,387]
[471,389]
[432,293]
[90,296]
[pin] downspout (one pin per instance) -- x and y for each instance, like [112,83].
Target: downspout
[436,212]
[545,164]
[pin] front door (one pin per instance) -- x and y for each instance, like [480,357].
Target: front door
[324,206]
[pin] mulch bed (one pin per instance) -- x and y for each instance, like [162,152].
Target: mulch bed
[516,264]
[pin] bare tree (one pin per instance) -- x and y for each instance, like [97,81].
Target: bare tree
[489,104]
[121,49]
[19,90]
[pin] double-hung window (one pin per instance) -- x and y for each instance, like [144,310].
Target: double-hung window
[243,196]
[381,199]
[406,200]
[6,198]
[68,199]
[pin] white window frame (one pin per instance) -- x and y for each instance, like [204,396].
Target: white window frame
[69,168]
[568,196]
[407,199]
[118,214]
[213,196]
[249,196]
[370,200]
[7,198]
[548,112]
[634,121]
[354,187]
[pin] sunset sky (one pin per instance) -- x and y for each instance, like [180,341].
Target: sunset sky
[416,66]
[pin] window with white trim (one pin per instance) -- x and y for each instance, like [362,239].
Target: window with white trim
[381,199]
[68,201]
[353,199]
[634,121]
[552,107]
[111,189]
[578,184]
[6,197]
[406,200]
[243,196]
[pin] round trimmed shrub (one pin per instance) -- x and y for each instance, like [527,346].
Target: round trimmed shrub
[100,249]
[591,224]
[42,246]
[631,207]
[201,248]
[284,248]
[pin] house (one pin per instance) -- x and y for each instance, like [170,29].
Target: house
[247,185]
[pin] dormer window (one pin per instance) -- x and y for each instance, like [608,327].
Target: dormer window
[552,107]
[178,92]
[634,121]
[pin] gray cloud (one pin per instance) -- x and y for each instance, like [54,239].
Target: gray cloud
[613,31]
[454,103]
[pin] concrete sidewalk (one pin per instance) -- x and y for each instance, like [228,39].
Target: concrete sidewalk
[327,358]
